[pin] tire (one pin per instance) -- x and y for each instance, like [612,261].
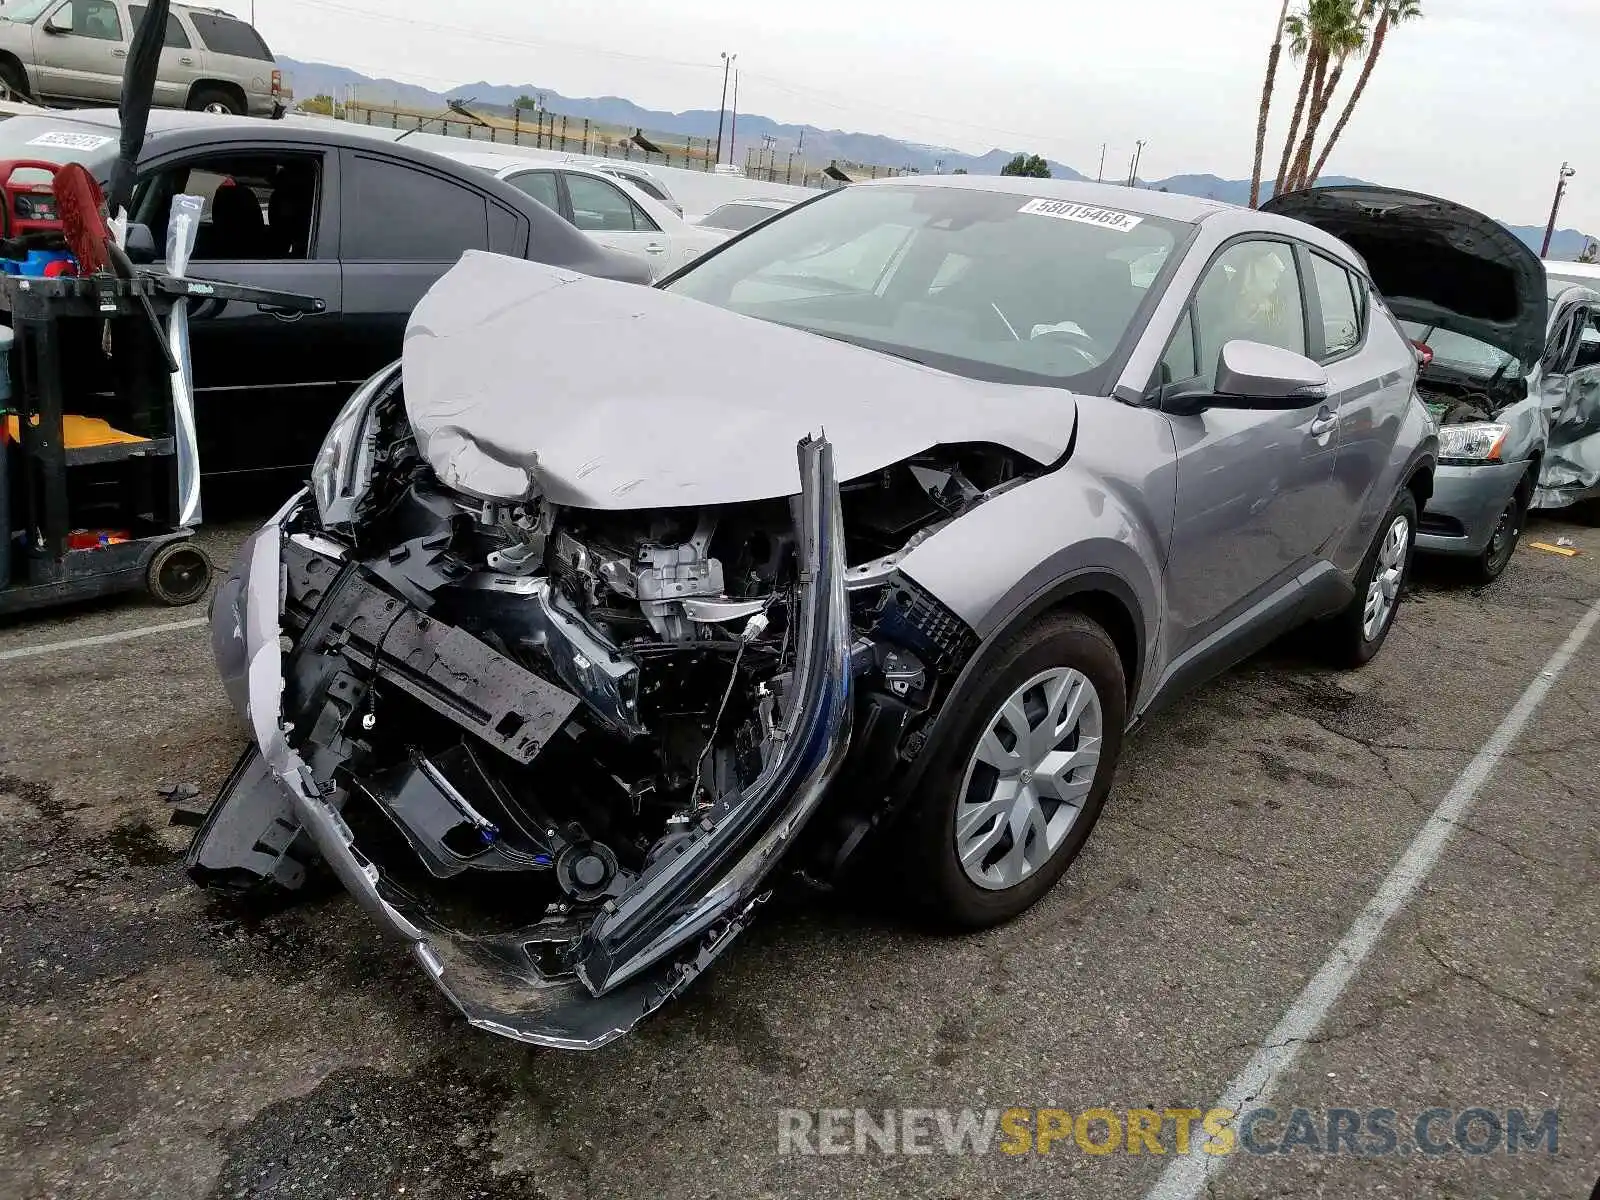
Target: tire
[1353,641]
[1065,651]
[179,573]
[1496,556]
[215,100]
[15,81]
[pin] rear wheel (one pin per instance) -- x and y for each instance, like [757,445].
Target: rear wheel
[13,81]
[1358,633]
[1021,780]
[178,574]
[215,100]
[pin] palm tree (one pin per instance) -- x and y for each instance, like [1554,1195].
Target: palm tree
[1298,27]
[1342,31]
[1393,13]
[1266,101]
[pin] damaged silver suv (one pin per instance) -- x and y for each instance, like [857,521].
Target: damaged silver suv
[877,528]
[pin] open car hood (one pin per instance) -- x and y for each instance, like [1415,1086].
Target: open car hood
[1436,262]
[523,378]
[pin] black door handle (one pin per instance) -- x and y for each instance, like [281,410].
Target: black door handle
[283,314]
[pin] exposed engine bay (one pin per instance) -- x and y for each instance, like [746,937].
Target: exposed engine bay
[560,750]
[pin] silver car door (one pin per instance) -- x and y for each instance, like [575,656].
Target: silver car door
[1368,387]
[180,59]
[1571,393]
[1253,484]
[82,48]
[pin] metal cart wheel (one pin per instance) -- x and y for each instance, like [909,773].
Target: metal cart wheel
[179,573]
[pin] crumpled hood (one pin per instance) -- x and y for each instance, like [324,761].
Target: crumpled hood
[523,378]
[1436,262]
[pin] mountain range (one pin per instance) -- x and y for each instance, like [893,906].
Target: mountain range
[816,144]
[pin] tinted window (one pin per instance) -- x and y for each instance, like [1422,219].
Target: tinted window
[397,213]
[598,206]
[504,237]
[541,185]
[256,206]
[1250,293]
[1046,294]
[175,35]
[1341,310]
[224,35]
[91,19]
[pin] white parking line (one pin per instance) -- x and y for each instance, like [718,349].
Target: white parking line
[1186,1178]
[103,639]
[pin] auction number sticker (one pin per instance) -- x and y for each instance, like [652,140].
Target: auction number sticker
[1088,214]
[70,141]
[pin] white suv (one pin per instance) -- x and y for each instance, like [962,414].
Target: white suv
[75,51]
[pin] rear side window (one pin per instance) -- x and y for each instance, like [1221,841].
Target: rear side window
[1341,307]
[394,212]
[648,187]
[541,185]
[175,36]
[224,35]
[737,217]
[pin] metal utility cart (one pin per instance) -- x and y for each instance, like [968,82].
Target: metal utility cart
[91,473]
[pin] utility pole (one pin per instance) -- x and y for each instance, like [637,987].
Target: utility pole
[1561,190]
[733,122]
[1100,175]
[1133,167]
[727,64]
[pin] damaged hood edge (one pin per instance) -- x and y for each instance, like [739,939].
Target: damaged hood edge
[523,378]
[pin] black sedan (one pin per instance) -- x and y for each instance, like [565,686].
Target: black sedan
[364,224]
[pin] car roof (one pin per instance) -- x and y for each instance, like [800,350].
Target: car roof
[760,202]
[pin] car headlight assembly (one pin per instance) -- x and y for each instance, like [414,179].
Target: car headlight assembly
[343,467]
[1478,442]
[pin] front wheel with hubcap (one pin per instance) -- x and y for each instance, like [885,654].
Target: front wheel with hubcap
[1496,556]
[1359,631]
[215,100]
[1018,784]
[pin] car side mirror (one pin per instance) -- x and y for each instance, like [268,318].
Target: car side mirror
[1254,375]
[50,26]
[141,244]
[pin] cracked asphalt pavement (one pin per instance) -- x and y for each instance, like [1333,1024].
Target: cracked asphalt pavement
[159,1043]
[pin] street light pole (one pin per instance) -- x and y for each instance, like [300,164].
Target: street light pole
[727,65]
[1133,169]
[1561,190]
[733,122]
[1100,176]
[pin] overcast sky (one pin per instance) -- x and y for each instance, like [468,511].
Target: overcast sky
[1480,101]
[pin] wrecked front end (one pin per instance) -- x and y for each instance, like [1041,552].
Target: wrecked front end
[422,720]
[559,752]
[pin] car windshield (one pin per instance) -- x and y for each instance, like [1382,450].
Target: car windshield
[25,10]
[737,217]
[994,285]
[1462,353]
[56,141]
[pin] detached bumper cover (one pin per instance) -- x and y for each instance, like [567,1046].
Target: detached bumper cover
[1466,505]
[553,983]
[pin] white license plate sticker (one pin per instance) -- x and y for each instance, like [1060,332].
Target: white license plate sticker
[70,141]
[1087,214]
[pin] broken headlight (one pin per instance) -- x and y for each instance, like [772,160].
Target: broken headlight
[342,471]
[1479,442]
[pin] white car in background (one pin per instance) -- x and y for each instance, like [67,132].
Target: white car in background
[641,177]
[738,215]
[616,214]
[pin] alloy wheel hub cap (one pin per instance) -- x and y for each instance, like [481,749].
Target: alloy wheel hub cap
[1028,779]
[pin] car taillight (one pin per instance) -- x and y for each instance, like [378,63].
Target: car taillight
[277,83]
